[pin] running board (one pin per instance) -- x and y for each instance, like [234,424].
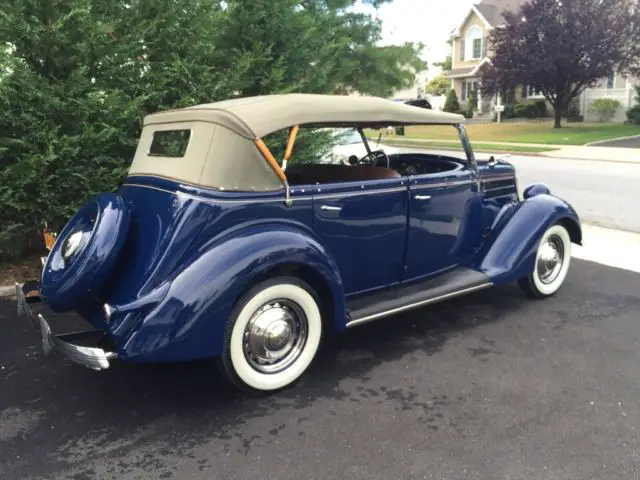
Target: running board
[408,297]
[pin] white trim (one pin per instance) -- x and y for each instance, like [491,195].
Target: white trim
[456,32]
[473,33]
[453,54]
[471,73]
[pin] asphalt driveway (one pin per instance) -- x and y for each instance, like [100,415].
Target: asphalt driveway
[493,386]
[628,143]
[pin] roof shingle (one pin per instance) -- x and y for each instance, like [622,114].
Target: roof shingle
[493,10]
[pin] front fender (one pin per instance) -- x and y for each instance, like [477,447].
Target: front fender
[190,321]
[517,231]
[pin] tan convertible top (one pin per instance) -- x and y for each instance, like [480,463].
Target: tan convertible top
[255,117]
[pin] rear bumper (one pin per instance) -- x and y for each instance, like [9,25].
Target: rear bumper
[89,356]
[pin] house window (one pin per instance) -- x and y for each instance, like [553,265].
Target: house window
[477,47]
[611,81]
[531,92]
[474,43]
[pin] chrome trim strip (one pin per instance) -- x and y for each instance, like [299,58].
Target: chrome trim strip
[321,196]
[441,184]
[277,200]
[375,316]
[506,176]
[191,195]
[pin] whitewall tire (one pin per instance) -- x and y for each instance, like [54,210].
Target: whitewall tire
[553,258]
[272,335]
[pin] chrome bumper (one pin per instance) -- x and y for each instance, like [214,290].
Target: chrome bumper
[91,357]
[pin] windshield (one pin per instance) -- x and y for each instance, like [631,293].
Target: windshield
[348,136]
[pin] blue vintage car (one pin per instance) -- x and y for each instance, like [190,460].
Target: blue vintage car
[214,248]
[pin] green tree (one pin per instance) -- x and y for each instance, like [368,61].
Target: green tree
[446,64]
[451,103]
[79,75]
[438,85]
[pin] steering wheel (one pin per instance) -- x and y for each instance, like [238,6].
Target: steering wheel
[374,158]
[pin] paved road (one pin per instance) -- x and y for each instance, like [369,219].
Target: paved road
[629,143]
[493,386]
[603,193]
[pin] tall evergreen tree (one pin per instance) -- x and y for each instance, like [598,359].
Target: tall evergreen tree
[78,76]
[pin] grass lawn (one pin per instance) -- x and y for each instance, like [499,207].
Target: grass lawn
[543,132]
[477,146]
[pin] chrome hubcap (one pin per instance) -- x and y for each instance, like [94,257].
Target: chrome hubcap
[275,336]
[550,259]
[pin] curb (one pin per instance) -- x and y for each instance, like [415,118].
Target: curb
[599,142]
[7,291]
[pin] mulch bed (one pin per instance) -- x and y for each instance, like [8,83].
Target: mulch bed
[27,269]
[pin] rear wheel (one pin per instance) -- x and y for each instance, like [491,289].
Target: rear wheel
[552,264]
[272,335]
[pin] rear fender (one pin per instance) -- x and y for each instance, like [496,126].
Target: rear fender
[190,321]
[516,232]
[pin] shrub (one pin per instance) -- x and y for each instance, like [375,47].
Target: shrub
[541,108]
[520,110]
[472,104]
[604,108]
[509,111]
[573,109]
[633,115]
[451,103]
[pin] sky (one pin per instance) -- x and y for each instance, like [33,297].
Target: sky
[426,21]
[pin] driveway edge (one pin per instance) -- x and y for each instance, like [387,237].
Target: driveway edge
[599,142]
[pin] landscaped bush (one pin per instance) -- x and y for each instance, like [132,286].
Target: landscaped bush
[633,114]
[451,103]
[541,108]
[530,110]
[509,111]
[520,110]
[604,108]
[471,105]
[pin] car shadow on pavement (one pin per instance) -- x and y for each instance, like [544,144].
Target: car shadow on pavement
[49,405]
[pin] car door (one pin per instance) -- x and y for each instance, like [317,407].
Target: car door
[364,226]
[444,221]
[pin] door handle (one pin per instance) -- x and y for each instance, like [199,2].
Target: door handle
[423,197]
[331,208]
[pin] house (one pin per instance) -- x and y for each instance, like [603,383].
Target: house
[470,51]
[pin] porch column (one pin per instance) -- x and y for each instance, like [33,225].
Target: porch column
[479,98]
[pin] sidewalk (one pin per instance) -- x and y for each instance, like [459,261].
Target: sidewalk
[605,154]
[578,152]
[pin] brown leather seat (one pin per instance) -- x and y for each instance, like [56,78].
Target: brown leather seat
[313,174]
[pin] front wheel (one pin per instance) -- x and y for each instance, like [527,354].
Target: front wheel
[272,335]
[552,263]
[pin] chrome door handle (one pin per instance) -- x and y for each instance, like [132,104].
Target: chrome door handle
[423,197]
[330,207]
